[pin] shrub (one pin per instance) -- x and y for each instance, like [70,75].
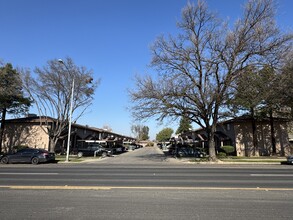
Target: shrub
[222,155]
[150,144]
[228,149]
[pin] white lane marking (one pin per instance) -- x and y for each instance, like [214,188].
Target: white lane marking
[66,187]
[29,173]
[273,175]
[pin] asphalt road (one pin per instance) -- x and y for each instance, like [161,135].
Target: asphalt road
[144,184]
[146,176]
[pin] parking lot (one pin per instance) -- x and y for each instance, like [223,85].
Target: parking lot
[146,155]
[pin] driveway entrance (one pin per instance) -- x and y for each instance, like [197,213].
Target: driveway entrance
[146,155]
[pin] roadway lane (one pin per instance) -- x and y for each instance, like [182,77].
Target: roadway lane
[144,184]
[148,167]
[133,204]
[84,175]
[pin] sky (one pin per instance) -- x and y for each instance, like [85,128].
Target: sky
[110,37]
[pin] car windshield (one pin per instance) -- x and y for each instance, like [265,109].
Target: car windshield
[25,150]
[31,150]
[95,146]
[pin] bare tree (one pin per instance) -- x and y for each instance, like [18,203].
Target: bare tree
[51,92]
[197,67]
[107,128]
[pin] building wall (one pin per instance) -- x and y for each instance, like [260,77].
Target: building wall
[228,130]
[24,134]
[283,145]
[30,133]
[244,139]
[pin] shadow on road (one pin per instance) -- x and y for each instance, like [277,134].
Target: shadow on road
[155,157]
[146,155]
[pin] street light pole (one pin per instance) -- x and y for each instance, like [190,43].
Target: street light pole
[70,114]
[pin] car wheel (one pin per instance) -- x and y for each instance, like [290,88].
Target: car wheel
[35,160]
[5,160]
[201,155]
[104,154]
[79,154]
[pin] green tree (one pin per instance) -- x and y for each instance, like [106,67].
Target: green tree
[285,88]
[271,104]
[141,132]
[184,125]
[12,99]
[248,96]
[145,133]
[164,135]
[51,91]
[258,94]
[197,68]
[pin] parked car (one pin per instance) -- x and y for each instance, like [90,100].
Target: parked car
[190,152]
[118,149]
[290,159]
[96,150]
[186,151]
[28,155]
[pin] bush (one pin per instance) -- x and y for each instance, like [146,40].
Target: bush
[222,155]
[150,144]
[228,149]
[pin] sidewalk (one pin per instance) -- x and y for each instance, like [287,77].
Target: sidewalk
[245,161]
[156,155]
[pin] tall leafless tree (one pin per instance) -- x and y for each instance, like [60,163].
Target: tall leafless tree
[197,67]
[51,92]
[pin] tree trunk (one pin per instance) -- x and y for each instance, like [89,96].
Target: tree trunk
[211,144]
[53,142]
[212,150]
[273,139]
[254,134]
[4,110]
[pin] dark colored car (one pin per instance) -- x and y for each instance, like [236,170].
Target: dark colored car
[290,159]
[118,149]
[96,150]
[186,151]
[190,152]
[29,155]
